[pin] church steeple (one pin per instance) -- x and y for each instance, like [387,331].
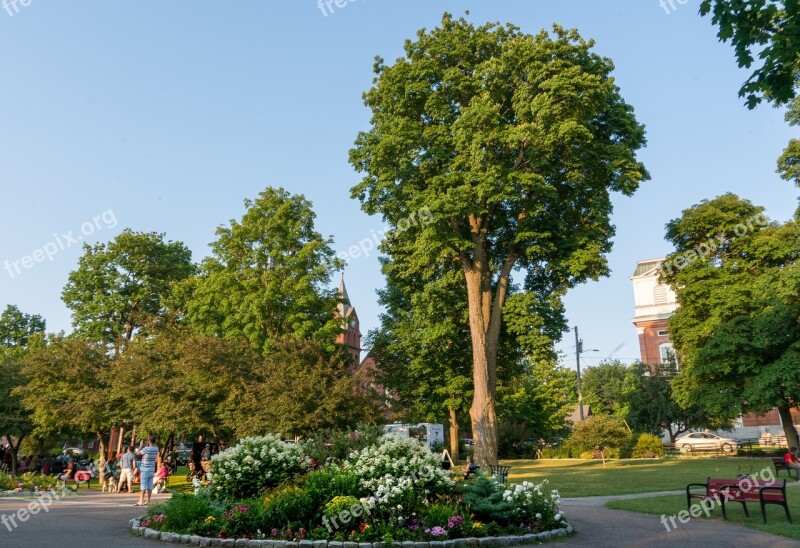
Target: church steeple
[351,335]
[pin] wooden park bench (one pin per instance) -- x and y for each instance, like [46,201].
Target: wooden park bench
[80,477]
[722,490]
[780,464]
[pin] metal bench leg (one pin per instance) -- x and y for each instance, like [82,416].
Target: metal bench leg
[763,511]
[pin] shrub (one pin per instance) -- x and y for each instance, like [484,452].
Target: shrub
[484,499]
[560,452]
[648,443]
[532,507]
[28,481]
[254,465]
[599,430]
[180,514]
[291,507]
[399,458]
[328,483]
[339,505]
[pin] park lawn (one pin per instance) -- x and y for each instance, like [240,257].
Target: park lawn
[670,505]
[587,478]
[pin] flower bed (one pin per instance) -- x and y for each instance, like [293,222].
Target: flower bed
[393,492]
[26,484]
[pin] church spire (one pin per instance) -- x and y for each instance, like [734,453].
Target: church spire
[344,304]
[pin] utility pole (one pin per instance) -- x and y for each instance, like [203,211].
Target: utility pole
[578,350]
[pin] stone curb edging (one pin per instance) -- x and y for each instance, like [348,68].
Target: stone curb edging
[195,540]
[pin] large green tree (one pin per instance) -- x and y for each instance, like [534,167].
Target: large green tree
[603,388]
[515,143]
[299,387]
[68,390]
[19,333]
[121,286]
[650,405]
[179,381]
[268,277]
[737,329]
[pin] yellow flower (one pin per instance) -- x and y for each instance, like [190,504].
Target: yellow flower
[209,519]
[477,525]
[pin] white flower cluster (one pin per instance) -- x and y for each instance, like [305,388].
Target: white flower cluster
[255,463]
[402,459]
[529,502]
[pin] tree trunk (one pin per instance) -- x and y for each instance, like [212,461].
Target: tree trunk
[14,453]
[101,460]
[454,436]
[165,450]
[789,430]
[484,359]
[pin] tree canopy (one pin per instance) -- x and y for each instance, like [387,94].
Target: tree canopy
[268,277]
[765,29]
[737,280]
[515,143]
[122,285]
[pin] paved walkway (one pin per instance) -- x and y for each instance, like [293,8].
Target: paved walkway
[600,527]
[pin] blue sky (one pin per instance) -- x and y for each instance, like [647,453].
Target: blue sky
[165,116]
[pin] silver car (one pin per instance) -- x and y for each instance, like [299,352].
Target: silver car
[705,441]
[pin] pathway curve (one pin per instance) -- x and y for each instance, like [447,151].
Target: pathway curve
[599,527]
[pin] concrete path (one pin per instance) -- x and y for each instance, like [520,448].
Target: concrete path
[96,520]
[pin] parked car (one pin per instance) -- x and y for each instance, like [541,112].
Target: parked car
[705,441]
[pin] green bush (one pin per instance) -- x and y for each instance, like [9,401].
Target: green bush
[338,505]
[180,514]
[323,485]
[484,499]
[290,507]
[599,431]
[560,452]
[648,443]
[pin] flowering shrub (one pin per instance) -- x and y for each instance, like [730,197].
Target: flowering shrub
[532,508]
[393,491]
[255,465]
[26,482]
[402,459]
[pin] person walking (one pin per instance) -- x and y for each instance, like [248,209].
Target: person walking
[147,470]
[127,464]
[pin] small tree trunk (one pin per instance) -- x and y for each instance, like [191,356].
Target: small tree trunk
[454,436]
[101,460]
[14,452]
[788,425]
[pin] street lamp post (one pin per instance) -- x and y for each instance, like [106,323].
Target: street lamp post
[578,351]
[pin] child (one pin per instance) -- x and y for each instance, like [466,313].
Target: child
[161,479]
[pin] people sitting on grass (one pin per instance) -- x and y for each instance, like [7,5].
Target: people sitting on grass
[790,458]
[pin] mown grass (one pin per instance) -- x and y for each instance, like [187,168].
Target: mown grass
[670,505]
[582,478]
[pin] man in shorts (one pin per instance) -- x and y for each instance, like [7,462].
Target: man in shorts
[127,463]
[147,469]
